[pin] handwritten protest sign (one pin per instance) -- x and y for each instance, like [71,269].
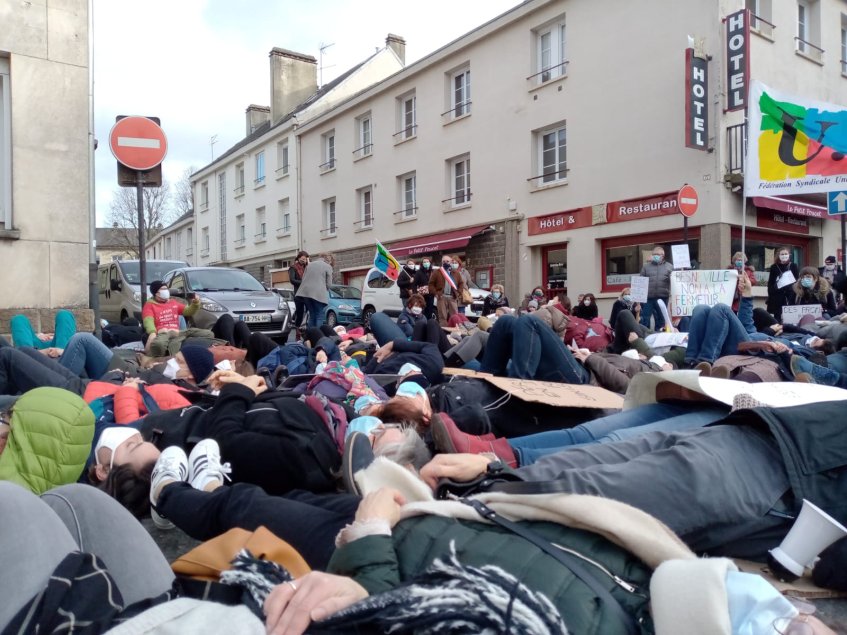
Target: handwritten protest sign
[792,314]
[638,287]
[681,256]
[709,287]
[556,394]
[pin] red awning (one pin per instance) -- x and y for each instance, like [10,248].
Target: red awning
[791,206]
[444,241]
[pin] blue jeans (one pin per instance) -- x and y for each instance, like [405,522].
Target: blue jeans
[316,311]
[622,425]
[385,329]
[24,335]
[535,352]
[715,331]
[648,309]
[86,352]
[838,361]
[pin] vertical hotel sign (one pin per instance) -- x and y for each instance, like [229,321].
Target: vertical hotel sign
[737,59]
[696,108]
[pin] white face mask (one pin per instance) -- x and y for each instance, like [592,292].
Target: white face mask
[587,302]
[164,294]
[416,310]
[171,369]
[111,438]
[224,364]
[783,257]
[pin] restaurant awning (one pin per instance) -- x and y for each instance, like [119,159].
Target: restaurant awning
[791,206]
[443,241]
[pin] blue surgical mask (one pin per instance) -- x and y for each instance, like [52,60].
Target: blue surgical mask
[627,298]
[657,258]
[807,283]
[495,295]
[739,263]
[365,425]
[363,402]
[410,390]
[426,265]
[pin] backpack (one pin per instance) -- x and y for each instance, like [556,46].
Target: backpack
[594,334]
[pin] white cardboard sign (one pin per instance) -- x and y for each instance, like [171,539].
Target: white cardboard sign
[709,287]
[681,256]
[792,314]
[638,286]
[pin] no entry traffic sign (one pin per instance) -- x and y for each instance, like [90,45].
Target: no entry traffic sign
[687,200]
[138,143]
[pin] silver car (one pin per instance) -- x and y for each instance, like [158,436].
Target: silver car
[229,290]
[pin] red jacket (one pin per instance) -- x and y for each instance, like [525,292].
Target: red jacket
[129,406]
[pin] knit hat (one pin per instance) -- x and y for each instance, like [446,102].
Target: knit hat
[155,286]
[200,362]
[532,304]
[830,260]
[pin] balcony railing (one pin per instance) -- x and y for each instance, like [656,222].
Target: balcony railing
[459,110]
[365,223]
[460,200]
[409,132]
[808,49]
[282,171]
[327,166]
[761,26]
[407,213]
[551,72]
[364,151]
[239,191]
[549,178]
[328,232]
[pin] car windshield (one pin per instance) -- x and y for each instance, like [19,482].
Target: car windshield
[223,280]
[345,293]
[154,270]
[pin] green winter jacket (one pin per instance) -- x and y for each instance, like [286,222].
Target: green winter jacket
[380,563]
[50,440]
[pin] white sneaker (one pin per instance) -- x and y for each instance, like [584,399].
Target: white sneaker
[204,465]
[171,466]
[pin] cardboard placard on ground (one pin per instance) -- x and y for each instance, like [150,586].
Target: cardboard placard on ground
[793,313]
[638,287]
[708,286]
[557,394]
[681,256]
[802,587]
[465,372]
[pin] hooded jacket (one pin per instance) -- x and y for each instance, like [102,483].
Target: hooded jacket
[52,431]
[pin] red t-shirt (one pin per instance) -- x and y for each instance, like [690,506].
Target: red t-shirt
[165,314]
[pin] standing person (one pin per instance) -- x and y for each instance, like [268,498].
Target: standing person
[780,283]
[295,276]
[314,289]
[161,313]
[587,309]
[835,276]
[538,296]
[421,286]
[739,263]
[659,271]
[446,294]
[406,280]
[459,265]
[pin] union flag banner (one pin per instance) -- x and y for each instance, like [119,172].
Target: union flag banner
[795,145]
[385,262]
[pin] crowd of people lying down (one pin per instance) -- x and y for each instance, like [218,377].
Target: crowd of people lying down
[422,498]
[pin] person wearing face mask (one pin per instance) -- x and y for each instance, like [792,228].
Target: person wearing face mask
[811,288]
[659,271]
[446,295]
[587,309]
[161,313]
[739,264]
[835,276]
[421,286]
[411,315]
[537,295]
[624,302]
[295,276]
[495,300]
[406,279]
[781,277]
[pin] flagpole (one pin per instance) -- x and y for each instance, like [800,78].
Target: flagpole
[744,184]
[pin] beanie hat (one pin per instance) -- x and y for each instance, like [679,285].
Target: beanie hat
[532,304]
[200,362]
[155,286]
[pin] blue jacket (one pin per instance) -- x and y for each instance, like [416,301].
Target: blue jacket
[407,320]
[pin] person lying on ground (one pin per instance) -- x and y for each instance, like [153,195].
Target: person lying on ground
[24,335]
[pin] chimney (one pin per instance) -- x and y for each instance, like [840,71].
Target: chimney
[398,45]
[256,116]
[294,78]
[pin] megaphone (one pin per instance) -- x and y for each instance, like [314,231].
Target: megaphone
[813,531]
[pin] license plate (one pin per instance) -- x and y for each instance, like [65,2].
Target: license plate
[256,317]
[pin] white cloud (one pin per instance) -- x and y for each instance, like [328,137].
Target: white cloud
[197,64]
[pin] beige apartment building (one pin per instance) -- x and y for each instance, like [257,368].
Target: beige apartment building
[174,242]
[547,146]
[45,155]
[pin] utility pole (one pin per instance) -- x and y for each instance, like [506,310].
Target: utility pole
[212,141]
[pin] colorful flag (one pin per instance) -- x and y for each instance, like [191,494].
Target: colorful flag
[385,262]
[449,279]
[794,145]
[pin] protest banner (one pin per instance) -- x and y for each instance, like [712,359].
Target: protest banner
[681,256]
[386,263]
[792,314]
[556,394]
[638,288]
[709,287]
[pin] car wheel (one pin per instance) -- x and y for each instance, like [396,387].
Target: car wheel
[331,319]
[367,312]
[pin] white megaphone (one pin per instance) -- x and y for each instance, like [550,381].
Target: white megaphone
[813,531]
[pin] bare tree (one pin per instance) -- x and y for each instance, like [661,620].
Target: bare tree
[123,213]
[183,196]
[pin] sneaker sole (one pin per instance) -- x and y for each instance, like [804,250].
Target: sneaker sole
[160,522]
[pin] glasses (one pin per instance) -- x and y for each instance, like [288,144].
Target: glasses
[381,429]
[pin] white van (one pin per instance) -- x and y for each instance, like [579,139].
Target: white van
[381,293]
[119,286]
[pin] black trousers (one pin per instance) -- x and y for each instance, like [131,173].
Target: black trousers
[235,332]
[308,522]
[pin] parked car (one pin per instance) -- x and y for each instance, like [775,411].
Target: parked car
[381,293]
[119,286]
[234,291]
[288,294]
[345,305]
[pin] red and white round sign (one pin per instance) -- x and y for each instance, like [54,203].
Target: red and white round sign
[138,143]
[687,200]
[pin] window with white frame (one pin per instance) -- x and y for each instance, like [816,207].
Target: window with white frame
[364,136]
[239,179]
[261,225]
[328,140]
[168,246]
[329,217]
[178,241]
[222,213]
[5,147]
[284,210]
[408,196]
[204,241]
[366,218]
[808,29]
[459,177]
[189,242]
[282,158]
[844,44]
[407,121]
[460,93]
[260,169]
[762,16]
[803,11]
[204,195]
[552,165]
[550,51]
[240,230]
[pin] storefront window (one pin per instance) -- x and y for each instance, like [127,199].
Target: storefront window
[556,270]
[623,257]
[760,248]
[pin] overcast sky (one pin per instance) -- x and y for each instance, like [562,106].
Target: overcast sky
[197,64]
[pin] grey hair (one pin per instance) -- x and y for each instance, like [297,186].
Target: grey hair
[410,451]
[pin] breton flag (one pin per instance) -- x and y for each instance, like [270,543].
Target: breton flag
[385,262]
